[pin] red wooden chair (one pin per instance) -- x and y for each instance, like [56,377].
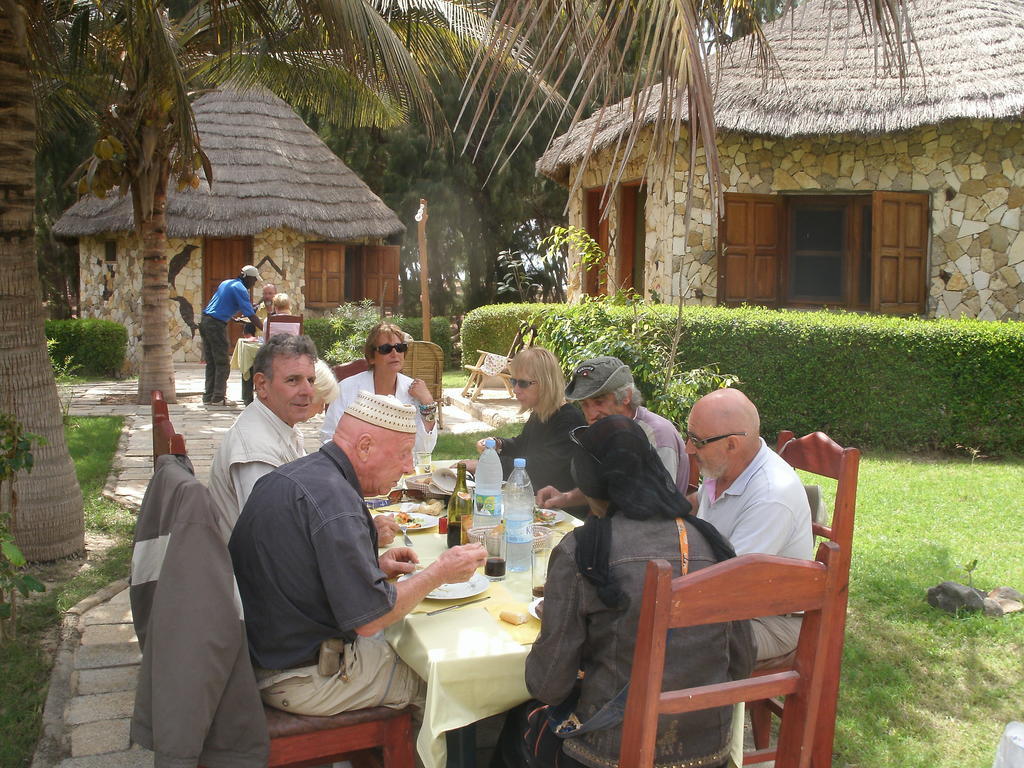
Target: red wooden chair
[275,324]
[345,370]
[297,740]
[741,588]
[165,439]
[818,454]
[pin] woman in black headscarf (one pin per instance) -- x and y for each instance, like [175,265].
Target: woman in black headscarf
[592,604]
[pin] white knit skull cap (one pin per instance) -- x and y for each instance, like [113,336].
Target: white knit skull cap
[383,411]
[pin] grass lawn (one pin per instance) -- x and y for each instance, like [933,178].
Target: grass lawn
[26,666]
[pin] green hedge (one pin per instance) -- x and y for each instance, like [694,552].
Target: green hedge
[493,328]
[97,347]
[865,380]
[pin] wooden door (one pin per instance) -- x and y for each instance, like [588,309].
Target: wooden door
[595,279]
[751,248]
[899,253]
[325,274]
[632,236]
[223,258]
[380,274]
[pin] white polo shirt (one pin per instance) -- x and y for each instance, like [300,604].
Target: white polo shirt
[764,510]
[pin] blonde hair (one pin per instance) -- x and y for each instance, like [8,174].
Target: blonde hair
[282,303]
[325,388]
[383,327]
[540,365]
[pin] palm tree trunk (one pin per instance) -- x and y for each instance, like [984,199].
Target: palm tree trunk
[48,522]
[157,364]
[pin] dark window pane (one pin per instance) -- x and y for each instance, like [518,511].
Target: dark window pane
[816,262]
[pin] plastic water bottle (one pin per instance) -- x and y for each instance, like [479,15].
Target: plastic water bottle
[518,516]
[487,512]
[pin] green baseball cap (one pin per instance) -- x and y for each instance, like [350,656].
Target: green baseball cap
[596,377]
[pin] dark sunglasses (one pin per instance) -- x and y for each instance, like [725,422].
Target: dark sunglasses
[385,349]
[522,383]
[699,442]
[573,436]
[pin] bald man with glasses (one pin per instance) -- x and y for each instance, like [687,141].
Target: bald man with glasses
[752,496]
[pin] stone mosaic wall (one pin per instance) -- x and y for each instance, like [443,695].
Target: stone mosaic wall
[112,290]
[973,170]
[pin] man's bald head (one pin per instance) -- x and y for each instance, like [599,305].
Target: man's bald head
[726,414]
[728,410]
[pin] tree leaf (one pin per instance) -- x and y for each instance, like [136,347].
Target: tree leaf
[12,553]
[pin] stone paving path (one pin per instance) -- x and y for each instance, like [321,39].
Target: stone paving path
[92,688]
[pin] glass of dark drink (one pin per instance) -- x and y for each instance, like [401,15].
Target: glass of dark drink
[541,552]
[493,540]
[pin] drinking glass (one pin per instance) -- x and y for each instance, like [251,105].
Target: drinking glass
[493,540]
[422,461]
[543,542]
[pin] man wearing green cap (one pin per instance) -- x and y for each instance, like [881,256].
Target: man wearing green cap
[604,386]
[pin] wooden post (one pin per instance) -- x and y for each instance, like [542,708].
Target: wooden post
[421,218]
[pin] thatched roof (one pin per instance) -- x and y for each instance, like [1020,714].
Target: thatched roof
[971,65]
[269,171]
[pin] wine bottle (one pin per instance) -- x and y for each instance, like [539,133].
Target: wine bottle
[460,510]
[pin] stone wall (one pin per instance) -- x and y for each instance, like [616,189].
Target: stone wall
[973,170]
[113,290]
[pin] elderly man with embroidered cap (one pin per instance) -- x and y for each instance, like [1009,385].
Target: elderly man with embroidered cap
[316,594]
[604,386]
[231,298]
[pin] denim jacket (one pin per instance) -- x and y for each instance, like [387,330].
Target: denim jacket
[580,633]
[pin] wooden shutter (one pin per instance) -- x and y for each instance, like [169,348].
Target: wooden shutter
[325,274]
[899,252]
[380,274]
[751,250]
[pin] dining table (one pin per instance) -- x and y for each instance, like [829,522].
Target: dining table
[473,662]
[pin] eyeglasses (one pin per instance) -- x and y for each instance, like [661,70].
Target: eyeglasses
[573,436]
[522,383]
[700,442]
[385,349]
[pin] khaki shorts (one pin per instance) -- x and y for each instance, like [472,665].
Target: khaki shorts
[371,675]
[775,639]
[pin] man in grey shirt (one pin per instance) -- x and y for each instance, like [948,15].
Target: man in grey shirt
[752,496]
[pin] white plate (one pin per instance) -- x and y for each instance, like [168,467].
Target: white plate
[420,522]
[558,516]
[532,608]
[474,586]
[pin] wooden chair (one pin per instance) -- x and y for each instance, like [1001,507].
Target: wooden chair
[425,360]
[165,439]
[276,324]
[492,364]
[818,454]
[345,370]
[297,740]
[741,588]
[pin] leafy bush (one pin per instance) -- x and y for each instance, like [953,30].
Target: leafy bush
[339,336]
[94,346]
[865,380]
[493,327]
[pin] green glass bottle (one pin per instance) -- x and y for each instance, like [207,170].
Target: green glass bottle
[460,510]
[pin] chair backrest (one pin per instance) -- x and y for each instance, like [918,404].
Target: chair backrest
[525,336]
[425,360]
[345,370]
[744,587]
[275,324]
[165,439]
[818,454]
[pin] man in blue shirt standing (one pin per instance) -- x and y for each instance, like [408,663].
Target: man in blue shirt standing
[232,296]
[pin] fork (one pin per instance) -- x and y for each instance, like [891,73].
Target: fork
[405,535]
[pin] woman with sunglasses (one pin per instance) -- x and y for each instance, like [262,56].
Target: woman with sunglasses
[544,442]
[591,608]
[384,351]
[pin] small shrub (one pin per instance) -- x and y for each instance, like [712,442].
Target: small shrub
[440,333]
[94,346]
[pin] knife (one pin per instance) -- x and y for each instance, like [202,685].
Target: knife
[460,605]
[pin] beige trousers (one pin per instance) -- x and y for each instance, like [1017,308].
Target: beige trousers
[775,638]
[371,675]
